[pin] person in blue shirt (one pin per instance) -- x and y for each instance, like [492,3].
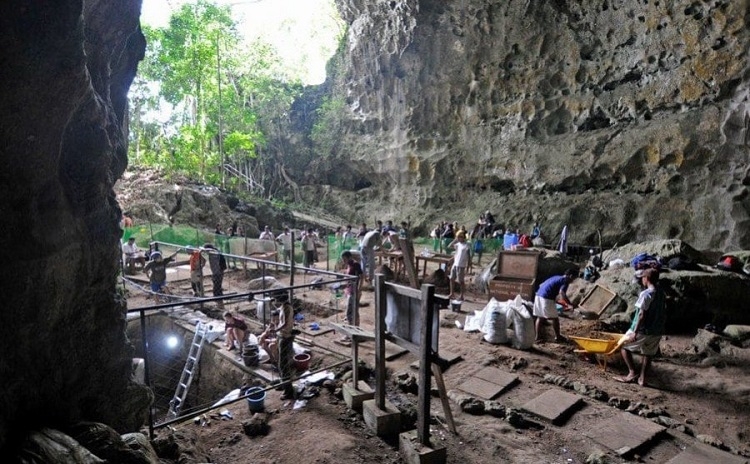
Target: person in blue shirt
[545,306]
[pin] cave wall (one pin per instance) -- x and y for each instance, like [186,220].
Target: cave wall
[626,116]
[66,68]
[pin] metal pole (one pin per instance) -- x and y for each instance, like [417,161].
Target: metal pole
[146,375]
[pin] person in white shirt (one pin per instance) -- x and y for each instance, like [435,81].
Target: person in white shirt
[266,234]
[308,245]
[285,239]
[460,261]
[133,256]
[371,240]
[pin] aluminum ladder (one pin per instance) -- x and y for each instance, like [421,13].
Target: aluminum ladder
[191,365]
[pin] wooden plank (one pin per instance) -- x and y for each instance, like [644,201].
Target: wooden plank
[438,373]
[381,307]
[518,264]
[314,333]
[423,400]
[624,433]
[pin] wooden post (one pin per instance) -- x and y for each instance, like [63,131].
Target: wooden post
[425,361]
[355,362]
[381,307]
[408,256]
[291,261]
[438,373]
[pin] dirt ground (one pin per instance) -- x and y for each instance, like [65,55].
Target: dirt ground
[709,402]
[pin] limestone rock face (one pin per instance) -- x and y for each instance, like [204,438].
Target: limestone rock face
[625,116]
[66,69]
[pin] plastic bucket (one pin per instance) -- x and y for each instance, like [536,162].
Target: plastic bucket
[301,361]
[256,399]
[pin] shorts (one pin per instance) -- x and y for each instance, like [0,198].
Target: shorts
[545,308]
[157,286]
[646,345]
[457,273]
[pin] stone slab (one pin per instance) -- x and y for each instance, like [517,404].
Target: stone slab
[489,383]
[481,388]
[554,406]
[414,452]
[701,454]
[624,433]
[497,376]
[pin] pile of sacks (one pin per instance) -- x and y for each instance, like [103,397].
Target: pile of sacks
[498,317]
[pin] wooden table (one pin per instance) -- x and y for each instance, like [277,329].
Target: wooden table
[435,258]
[396,256]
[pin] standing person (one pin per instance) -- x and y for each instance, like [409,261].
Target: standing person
[371,240]
[353,268]
[361,233]
[285,239]
[197,262]
[646,329]
[435,234]
[535,231]
[449,234]
[308,245]
[348,236]
[285,337]
[156,270]
[510,240]
[460,261]
[266,234]
[545,307]
[235,331]
[218,265]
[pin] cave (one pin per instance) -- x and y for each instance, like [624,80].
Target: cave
[68,65]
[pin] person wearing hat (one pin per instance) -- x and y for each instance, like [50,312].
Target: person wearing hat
[647,327]
[460,262]
[156,270]
[133,256]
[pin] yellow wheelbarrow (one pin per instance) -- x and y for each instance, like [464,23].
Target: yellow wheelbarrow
[601,348]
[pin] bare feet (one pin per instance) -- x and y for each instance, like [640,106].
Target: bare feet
[628,379]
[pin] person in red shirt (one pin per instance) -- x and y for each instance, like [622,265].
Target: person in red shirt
[236,331]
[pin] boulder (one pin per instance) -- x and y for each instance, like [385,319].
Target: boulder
[694,298]
[737,333]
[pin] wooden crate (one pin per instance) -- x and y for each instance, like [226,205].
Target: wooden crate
[516,275]
[504,288]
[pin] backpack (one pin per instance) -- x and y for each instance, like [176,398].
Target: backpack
[525,241]
[730,263]
[682,263]
[222,263]
[645,261]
